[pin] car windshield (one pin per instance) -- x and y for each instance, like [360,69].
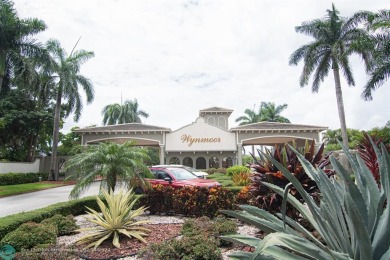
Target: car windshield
[182,174]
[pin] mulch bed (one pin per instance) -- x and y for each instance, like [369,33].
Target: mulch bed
[158,233]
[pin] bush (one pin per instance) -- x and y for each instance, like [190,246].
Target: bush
[241,179]
[244,196]
[73,207]
[198,247]
[189,201]
[65,225]
[231,171]
[29,235]
[210,228]
[20,178]
[159,199]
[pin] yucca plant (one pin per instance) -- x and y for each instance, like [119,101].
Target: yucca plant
[115,219]
[352,219]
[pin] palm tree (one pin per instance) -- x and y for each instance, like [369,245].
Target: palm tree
[335,38]
[64,70]
[121,114]
[379,25]
[16,45]
[112,162]
[271,113]
[250,118]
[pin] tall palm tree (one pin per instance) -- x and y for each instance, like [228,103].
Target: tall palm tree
[335,39]
[378,24]
[271,113]
[16,45]
[64,70]
[112,162]
[121,114]
[250,117]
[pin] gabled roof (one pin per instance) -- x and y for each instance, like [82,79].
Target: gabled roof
[275,126]
[131,127]
[215,110]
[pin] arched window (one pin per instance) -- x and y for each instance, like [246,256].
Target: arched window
[188,162]
[227,162]
[200,163]
[174,160]
[211,120]
[222,121]
[214,162]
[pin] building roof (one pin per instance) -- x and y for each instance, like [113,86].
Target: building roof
[215,110]
[275,126]
[131,127]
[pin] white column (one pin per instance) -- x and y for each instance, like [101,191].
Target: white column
[162,153]
[239,154]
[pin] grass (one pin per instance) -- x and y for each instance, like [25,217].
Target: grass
[10,190]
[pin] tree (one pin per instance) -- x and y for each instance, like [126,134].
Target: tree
[121,114]
[64,70]
[269,112]
[111,161]
[378,24]
[250,118]
[16,45]
[335,39]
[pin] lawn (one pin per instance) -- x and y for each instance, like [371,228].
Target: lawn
[226,181]
[10,190]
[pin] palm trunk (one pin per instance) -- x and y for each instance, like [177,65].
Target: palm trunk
[340,106]
[111,181]
[53,174]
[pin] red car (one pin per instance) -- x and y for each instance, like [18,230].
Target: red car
[178,178]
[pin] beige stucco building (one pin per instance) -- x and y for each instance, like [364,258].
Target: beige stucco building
[205,143]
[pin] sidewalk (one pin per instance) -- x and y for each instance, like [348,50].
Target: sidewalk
[40,199]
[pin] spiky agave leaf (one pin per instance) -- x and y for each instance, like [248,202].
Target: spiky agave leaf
[350,225]
[115,218]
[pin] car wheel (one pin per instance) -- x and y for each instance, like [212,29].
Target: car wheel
[138,190]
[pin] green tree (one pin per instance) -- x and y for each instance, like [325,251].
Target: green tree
[251,117]
[269,112]
[121,114]
[70,143]
[335,39]
[23,127]
[111,161]
[378,24]
[16,45]
[64,70]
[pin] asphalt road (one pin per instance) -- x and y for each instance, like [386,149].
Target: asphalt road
[40,199]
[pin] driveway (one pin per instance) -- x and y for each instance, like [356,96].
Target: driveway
[40,199]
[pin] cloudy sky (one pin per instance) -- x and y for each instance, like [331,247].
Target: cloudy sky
[179,56]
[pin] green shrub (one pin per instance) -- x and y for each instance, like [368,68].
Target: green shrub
[198,247]
[73,207]
[65,224]
[215,227]
[231,171]
[29,235]
[20,178]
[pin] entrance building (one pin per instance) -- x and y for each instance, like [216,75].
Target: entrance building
[206,143]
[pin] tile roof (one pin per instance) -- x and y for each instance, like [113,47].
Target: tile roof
[269,126]
[219,110]
[131,127]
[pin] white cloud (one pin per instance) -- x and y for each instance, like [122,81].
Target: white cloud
[177,57]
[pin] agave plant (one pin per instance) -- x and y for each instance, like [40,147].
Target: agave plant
[116,218]
[352,219]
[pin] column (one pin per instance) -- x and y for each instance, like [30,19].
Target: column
[239,154]
[162,153]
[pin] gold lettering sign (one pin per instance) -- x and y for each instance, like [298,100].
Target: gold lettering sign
[190,140]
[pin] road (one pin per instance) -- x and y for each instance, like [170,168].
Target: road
[40,199]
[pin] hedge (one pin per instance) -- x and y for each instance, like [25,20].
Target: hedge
[13,178]
[73,207]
